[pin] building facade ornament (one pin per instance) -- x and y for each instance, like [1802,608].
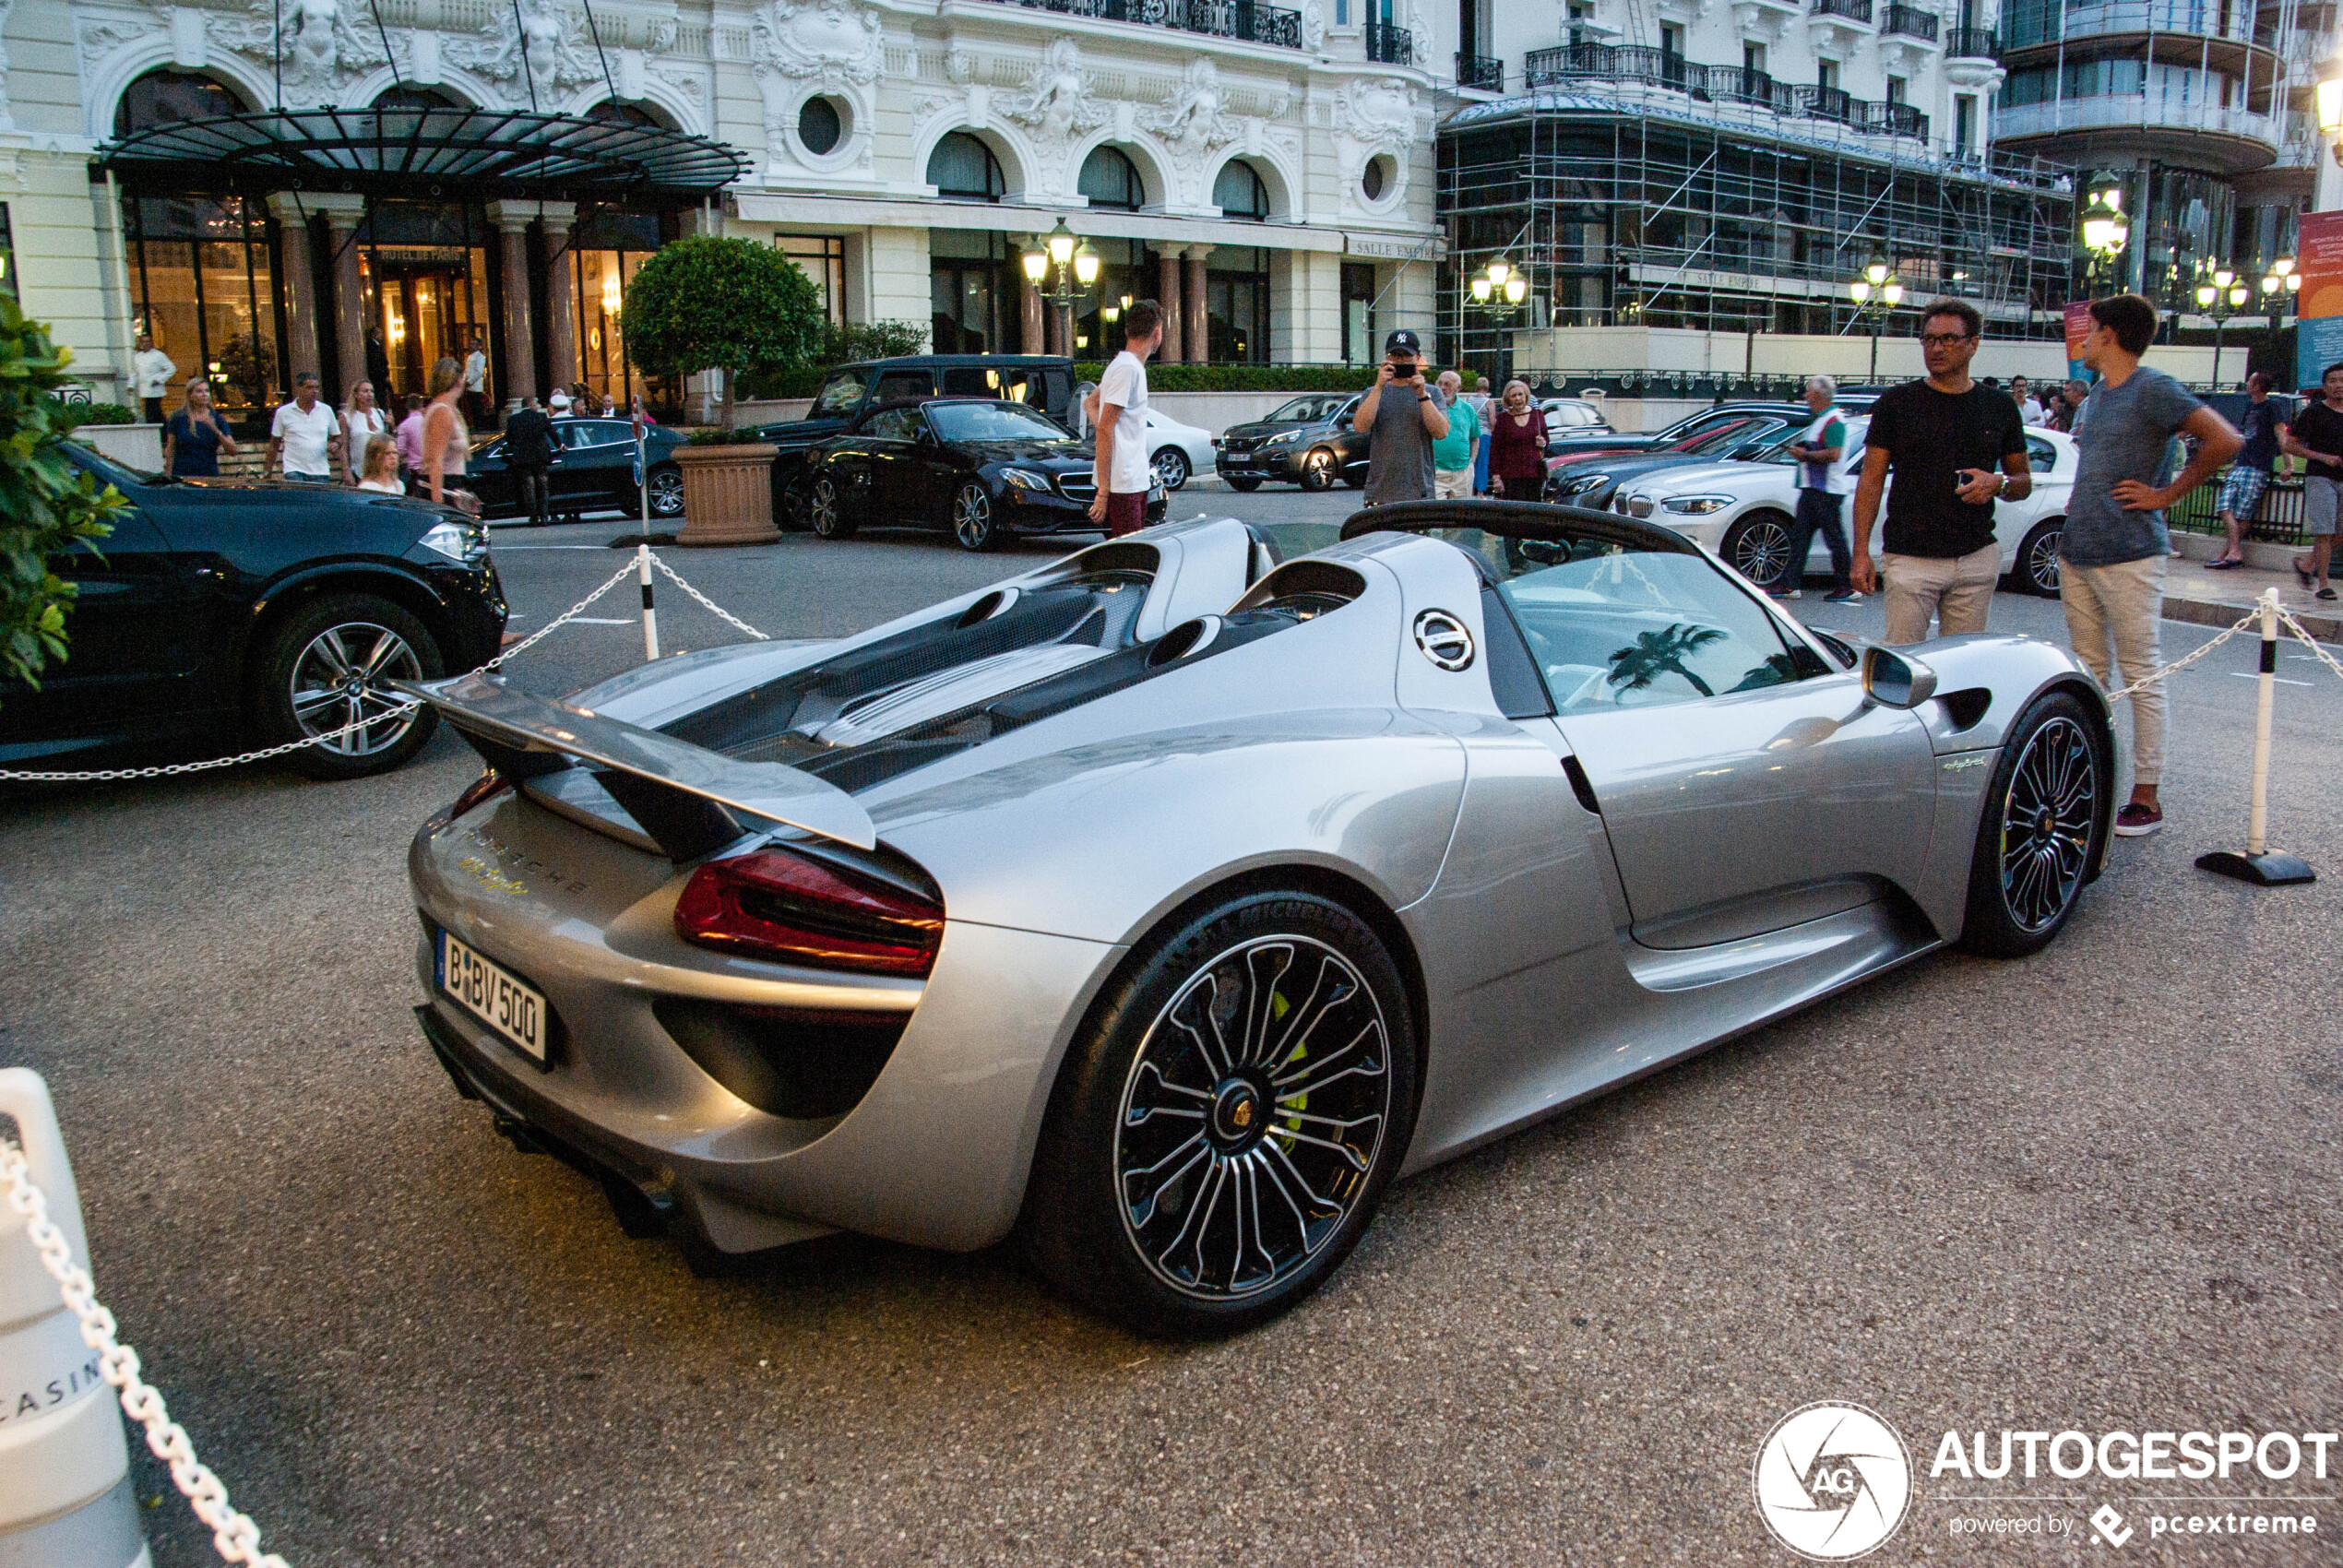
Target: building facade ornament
[1313,26]
[543,59]
[1056,105]
[1195,120]
[835,40]
[315,48]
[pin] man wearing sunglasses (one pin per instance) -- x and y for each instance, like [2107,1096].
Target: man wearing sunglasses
[1955,447]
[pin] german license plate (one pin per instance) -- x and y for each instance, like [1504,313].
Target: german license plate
[491,993]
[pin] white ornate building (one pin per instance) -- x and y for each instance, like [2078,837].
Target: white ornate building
[357,186]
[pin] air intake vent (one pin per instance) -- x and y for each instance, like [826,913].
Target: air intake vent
[1187,637]
[1304,588]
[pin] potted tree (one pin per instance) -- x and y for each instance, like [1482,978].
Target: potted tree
[47,506]
[736,308]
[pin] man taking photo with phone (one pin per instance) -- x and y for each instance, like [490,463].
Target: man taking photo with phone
[1400,417]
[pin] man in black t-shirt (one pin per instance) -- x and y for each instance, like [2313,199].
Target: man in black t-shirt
[1942,438]
[529,447]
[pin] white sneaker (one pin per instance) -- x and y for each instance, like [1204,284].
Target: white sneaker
[1793,593]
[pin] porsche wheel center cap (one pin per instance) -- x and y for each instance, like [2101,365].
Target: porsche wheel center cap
[1236,1113]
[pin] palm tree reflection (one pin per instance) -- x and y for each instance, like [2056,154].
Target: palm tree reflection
[1662,653]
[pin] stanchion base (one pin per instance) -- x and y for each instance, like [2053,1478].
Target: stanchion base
[2271,869]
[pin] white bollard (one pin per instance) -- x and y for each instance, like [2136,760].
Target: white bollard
[650,616]
[65,1468]
[2260,864]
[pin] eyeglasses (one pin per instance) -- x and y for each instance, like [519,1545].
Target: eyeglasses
[1946,339]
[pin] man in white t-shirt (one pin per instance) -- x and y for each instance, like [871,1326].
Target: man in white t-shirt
[152,370]
[1122,470]
[2029,408]
[306,436]
[476,385]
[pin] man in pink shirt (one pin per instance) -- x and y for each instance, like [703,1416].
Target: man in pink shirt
[409,437]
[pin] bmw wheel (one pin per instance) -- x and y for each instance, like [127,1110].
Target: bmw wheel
[972,522]
[826,510]
[667,492]
[2037,565]
[1171,468]
[2041,833]
[1758,547]
[329,667]
[1224,1128]
[1319,469]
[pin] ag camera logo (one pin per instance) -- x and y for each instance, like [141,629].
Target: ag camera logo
[1833,1481]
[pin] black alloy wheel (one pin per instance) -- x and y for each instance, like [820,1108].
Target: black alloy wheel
[328,668]
[1222,1132]
[2036,565]
[826,510]
[1171,468]
[667,492]
[2039,836]
[973,526]
[1758,547]
[1319,469]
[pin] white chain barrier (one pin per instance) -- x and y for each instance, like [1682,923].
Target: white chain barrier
[641,566]
[235,1535]
[2248,619]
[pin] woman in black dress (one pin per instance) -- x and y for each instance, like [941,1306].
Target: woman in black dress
[196,436]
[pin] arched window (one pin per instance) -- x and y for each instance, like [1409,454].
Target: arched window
[408,95]
[963,169]
[1239,192]
[627,115]
[1110,180]
[166,98]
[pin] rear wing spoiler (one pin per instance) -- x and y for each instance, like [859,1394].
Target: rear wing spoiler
[687,798]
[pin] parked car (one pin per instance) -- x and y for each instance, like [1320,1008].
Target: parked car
[240,616]
[1691,424]
[980,467]
[1576,416]
[1309,442]
[849,391]
[1159,905]
[1591,482]
[1744,511]
[593,468]
[1177,450]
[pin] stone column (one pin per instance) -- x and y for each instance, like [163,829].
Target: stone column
[1200,322]
[343,215]
[1056,318]
[560,292]
[1167,292]
[518,371]
[298,283]
[1032,333]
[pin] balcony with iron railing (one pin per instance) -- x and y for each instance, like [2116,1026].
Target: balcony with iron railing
[1912,21]
[1389,45]
[1479,71]
[2027,24]
[1972,43]
[1581,64]
[1240,20]
[1853,10]
[2203,125]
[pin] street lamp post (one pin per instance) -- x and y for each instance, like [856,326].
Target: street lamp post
[1878,283]
[2222,297]
[2281,286]
[1076,265]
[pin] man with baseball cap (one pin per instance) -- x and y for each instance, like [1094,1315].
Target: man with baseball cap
[1401,417]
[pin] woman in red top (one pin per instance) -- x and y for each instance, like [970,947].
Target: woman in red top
[1518,447]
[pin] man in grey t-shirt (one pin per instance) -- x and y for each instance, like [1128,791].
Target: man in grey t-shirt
[2110,559]
[1401,417]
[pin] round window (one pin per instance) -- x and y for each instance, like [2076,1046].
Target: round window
[819,125]
[1379,177]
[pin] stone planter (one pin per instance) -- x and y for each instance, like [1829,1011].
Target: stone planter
[728,495]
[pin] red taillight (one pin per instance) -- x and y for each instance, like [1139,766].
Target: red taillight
[479,791]
[777,906]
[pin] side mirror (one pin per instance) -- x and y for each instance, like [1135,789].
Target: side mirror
[1896,680]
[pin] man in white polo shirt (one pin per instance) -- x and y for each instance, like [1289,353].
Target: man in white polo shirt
[305,437]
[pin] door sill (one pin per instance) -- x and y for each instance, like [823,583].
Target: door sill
[1859,938]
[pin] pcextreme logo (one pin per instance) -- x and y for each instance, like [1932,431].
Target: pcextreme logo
[1833,1481]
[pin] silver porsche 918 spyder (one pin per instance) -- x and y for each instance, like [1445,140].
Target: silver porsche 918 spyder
[1159,906]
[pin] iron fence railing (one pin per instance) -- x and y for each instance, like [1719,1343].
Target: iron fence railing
[1389,45]
[1911,22]
[1972,43]
[1241,19]
[1853,10]
[2276,519]
[1479,71]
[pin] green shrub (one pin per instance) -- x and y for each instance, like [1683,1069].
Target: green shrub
[47,506]
[79,414]
[1245,377]
[710,303]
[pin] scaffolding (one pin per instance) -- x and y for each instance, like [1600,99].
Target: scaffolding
[1625,208]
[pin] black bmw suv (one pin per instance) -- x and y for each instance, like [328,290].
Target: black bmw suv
[227,616]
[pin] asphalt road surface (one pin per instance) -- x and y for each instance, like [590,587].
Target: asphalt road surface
[2095,1190]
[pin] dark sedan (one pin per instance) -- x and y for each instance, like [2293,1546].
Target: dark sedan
[1309,442]
[593,469]
[1591,482]
[978,467]
[244,615]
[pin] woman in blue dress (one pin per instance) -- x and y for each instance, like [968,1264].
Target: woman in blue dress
[196,436]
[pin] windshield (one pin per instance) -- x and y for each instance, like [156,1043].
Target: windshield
[1613,627]
[111,472]
[1308,410]
[1716,440]
[840,395]
[992,422]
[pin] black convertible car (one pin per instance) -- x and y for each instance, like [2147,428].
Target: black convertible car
[980,467]
[593,468]
[231,615]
